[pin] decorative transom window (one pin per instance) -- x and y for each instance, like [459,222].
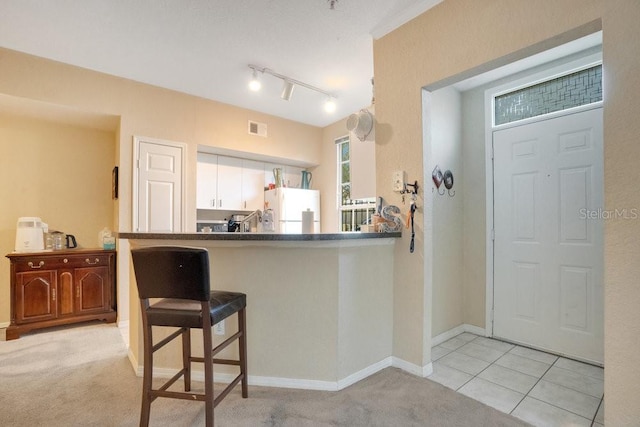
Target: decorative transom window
[572,90]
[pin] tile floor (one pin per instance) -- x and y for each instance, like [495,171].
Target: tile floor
[540,388]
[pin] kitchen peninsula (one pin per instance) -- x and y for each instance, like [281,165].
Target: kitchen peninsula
[319,306]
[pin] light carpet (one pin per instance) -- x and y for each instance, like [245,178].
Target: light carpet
[80,376]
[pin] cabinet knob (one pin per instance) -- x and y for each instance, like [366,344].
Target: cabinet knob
[40,264]
[88,261]
[65,260]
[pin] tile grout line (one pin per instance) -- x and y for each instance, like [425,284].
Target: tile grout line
[532,387]
[551,404]
[593,421]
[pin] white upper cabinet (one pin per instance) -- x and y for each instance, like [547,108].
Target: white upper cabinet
[229,183]
[252,185]
[207,181]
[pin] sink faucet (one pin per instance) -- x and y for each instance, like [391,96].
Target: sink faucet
[255,214]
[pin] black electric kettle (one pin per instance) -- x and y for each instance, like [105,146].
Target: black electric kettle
[71,241]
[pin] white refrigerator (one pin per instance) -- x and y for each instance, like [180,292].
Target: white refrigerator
[288,204]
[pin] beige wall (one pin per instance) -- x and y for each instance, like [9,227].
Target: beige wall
[459,38]
[60,173]
[444,148]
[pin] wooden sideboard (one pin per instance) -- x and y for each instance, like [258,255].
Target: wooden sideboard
[61,287]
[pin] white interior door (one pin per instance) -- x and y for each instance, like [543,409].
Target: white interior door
[548,272]
[159,186]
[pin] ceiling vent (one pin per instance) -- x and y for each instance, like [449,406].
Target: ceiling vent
[259,129]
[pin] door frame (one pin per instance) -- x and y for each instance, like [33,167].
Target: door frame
[489,108]
[136,172]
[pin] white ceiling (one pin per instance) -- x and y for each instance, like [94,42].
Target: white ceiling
[203,47]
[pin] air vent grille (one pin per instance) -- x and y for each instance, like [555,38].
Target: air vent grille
[258,129]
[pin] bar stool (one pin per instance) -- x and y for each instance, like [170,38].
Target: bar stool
[180,276]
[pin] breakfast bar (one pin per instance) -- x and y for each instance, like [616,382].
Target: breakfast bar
[319,306]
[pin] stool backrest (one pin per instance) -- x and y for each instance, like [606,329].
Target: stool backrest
[172,272]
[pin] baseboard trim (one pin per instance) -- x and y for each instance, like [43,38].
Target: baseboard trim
[301,384]
[4,325]
[420,371]
[364,373]
[447,335]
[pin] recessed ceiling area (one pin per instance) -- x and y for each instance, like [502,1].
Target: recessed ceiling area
[203,47]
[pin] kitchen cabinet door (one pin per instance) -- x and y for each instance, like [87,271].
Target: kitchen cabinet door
[229,183]
[252,185]
[207,181]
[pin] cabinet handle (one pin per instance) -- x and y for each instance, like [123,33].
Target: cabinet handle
[220,203]
[245,204]
[40,264]
[88,261]
[65,260]
[213,203]
[77,291]
[53,291]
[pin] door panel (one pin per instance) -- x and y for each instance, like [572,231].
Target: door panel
[548,272]
[159,187]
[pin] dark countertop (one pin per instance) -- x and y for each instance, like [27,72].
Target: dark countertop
[257,236]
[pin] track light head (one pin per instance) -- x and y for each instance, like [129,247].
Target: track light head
[330,105]
[287,90]
[254,83]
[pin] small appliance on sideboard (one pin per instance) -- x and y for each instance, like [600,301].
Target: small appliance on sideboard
[30,234]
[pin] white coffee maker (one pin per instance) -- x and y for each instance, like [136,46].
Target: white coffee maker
[30,234]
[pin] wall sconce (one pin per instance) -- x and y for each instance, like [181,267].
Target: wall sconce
[288,85]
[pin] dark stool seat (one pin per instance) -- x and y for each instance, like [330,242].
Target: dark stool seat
[180,277]
[177,312]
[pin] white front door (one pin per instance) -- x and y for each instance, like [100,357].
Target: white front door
[159,186]
[548,272]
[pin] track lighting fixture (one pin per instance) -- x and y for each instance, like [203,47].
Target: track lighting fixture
[288,85]
[254,83]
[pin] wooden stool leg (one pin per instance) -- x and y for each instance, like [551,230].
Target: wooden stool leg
[242,342]
[186,358]
[147,377]
[208,373]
